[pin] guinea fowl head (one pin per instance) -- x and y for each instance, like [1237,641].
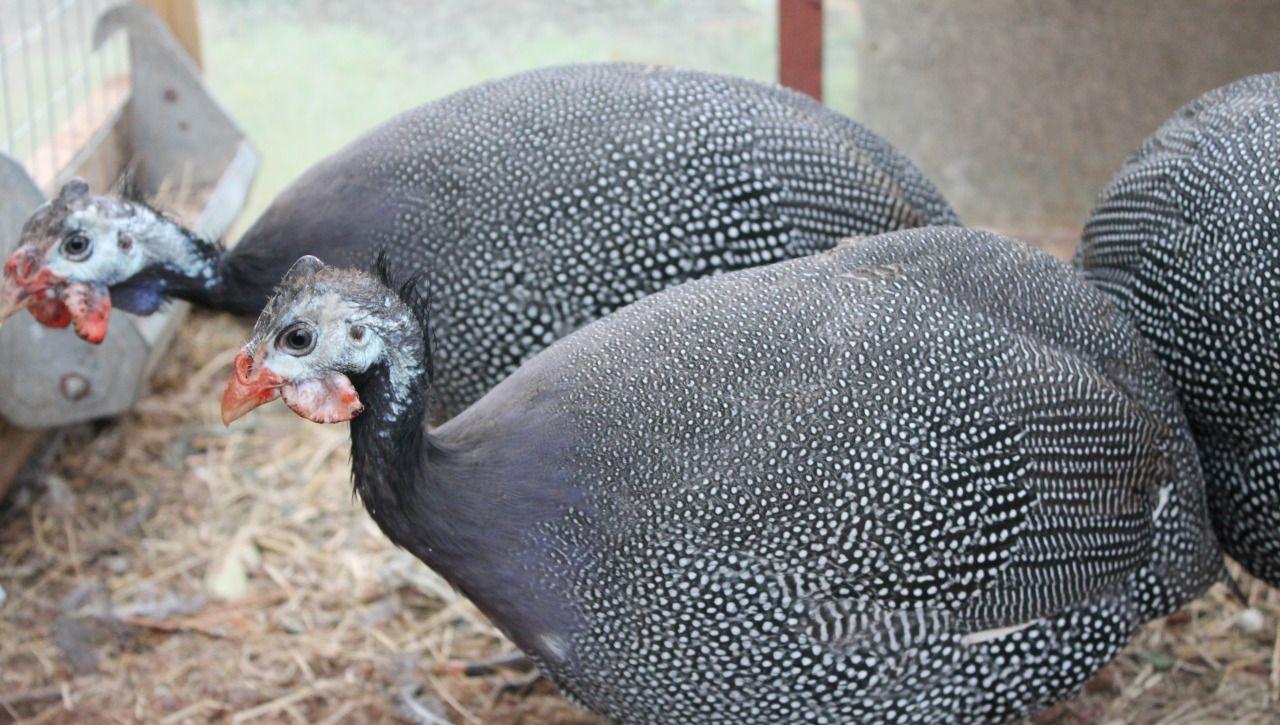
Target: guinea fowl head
[79,254]
[324,332]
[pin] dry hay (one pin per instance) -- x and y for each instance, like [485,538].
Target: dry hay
[113,577]
[170,570]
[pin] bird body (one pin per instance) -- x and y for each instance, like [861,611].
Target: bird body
[534,204]
[1184,240]
[927,477]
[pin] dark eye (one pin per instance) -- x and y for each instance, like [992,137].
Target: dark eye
[357,332]
[297,339]
[76,247]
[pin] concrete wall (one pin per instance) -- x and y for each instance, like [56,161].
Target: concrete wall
[1021,110]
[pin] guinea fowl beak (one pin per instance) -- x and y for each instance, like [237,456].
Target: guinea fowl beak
[12,299]
[327,398]
[250,386]
[14,296]
[52,299]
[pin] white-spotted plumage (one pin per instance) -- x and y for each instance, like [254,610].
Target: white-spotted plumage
[1186,240]
[917,478]
[537,203]
[928,476]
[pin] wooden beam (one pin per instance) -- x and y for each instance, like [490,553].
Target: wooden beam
[800,46]
[183,18]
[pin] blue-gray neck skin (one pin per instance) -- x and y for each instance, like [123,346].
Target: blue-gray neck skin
[181,265]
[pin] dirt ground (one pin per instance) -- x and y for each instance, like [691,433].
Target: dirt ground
[166,569]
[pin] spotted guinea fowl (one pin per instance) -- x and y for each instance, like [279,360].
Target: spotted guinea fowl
[928,477]
[532,205]
[1185,241]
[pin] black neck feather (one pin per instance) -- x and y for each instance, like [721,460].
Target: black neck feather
[410,481]
[389,455]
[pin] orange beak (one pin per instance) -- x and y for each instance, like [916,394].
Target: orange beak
[12,299]
[329,398]
[14,294]
[250,386]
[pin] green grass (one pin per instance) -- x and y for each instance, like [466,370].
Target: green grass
[302,93]
[304,77]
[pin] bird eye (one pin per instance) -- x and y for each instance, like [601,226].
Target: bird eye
[76,247]
[298,339]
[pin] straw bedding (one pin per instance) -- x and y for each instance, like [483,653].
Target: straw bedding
[165,569]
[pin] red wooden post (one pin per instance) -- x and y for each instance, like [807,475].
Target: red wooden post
[800,46]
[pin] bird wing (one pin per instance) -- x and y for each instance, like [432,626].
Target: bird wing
[980,481]
[867,447]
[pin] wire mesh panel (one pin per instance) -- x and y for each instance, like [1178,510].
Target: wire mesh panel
[103,115]
[56,92]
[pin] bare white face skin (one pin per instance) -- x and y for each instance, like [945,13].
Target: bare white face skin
[76,248]
[342,339]
[322,326]
[104,241]
[99,247]
[124,239]
[72,250]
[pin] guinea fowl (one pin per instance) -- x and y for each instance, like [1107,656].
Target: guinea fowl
[531,205]
[1184,241]
[930,476]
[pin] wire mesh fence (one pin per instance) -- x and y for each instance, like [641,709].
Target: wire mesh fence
[56,92]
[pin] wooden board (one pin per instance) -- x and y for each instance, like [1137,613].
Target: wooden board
[800,46]
[90,139]
[183,18]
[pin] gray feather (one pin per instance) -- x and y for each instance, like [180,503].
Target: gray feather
[812,488]
[1184,239]
[537,203]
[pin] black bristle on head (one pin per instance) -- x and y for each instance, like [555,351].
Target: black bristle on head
[414,291]
[129,188]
